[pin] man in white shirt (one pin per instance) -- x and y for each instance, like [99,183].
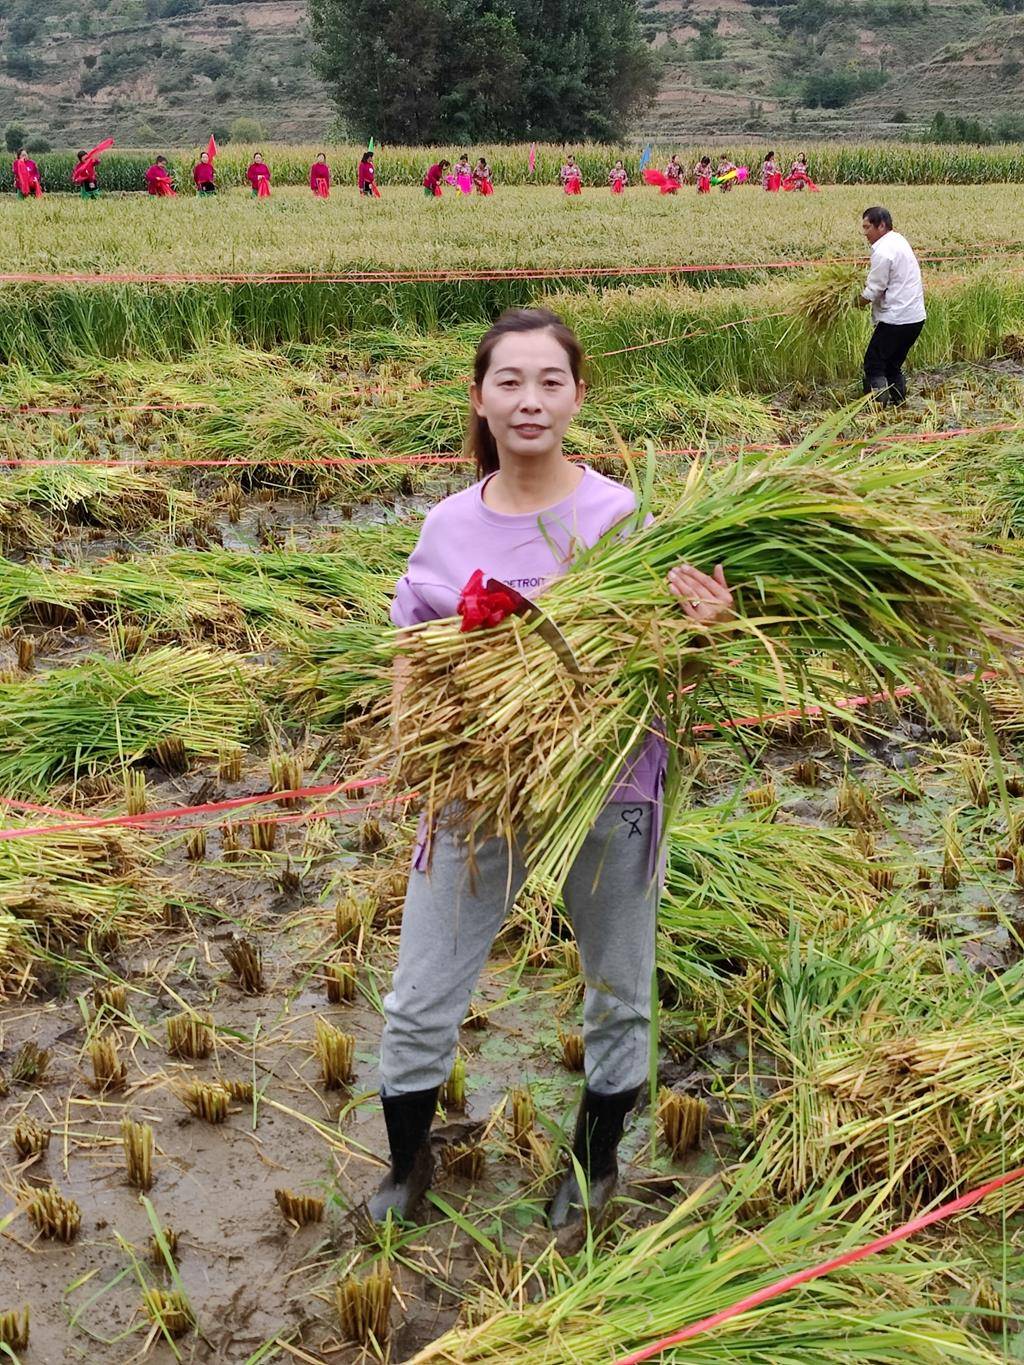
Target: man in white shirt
[896,295]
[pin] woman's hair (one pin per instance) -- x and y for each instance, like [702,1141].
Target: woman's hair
[202,154]
[81,156]
[257,156]
[22,152]
[769,156]
[321,156]
[705,161]
[366,156]
[480,444]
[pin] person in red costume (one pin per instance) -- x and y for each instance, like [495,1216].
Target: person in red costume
[798,179]
[158,179]
[203,175]
[366,176]
[571,177]
[483,180]
[258,176]
[320,177]
[432,179]
[83,174]
[26,176]
[702,175]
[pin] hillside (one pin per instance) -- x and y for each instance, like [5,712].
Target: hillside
[170,71]
[159,71]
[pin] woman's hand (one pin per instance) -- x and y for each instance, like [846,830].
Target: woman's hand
[706,600]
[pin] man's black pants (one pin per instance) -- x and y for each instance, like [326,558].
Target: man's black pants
[883,360]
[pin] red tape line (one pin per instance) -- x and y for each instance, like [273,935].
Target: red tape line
[788,1282]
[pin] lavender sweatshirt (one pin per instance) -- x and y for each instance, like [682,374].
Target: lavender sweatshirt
[525,551]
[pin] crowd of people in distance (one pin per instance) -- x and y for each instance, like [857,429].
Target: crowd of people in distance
[464,177]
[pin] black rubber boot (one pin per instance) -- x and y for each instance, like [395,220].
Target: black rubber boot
[878,386]
[407,1119]
[595,1145]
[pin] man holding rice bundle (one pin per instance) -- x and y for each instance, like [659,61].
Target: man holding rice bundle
[896,295]
[532,512]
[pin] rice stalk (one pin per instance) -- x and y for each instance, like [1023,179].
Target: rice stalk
[522,1117]
[205,1101]
[229,763]
[108,1071]
[31,1063]
[335,1051]
[453,1092]
[300,1209]
[246,962]
[195,844]
[169,1310]
[30,1138]
[463,1160]
[682,1119]
[364,1307]
[156,1251]
[190,1035]
[340,980]
[137,1140]
[56,1217]
[14,1329]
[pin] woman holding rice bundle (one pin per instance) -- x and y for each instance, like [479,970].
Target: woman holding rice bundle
[482,554]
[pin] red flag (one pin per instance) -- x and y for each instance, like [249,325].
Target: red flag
[21,176]
[533,156]
[211,147]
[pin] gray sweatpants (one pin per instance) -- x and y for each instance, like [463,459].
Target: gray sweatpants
[450,921]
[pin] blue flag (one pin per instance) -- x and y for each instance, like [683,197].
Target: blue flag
[645,156]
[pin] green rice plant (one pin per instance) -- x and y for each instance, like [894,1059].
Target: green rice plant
[100,714]
[338,673]
[828,557]
[699,1259]
[736,885]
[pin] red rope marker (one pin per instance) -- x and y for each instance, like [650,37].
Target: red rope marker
[789,1282]
[457,276]
[75,822]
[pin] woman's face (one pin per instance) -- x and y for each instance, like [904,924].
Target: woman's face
[528,395]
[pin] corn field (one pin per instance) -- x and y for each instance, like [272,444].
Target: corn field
[209,489]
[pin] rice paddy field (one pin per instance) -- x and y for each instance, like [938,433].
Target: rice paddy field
[209,488]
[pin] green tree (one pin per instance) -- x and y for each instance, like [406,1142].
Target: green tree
[15,136]
[244,129]
[439,70]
